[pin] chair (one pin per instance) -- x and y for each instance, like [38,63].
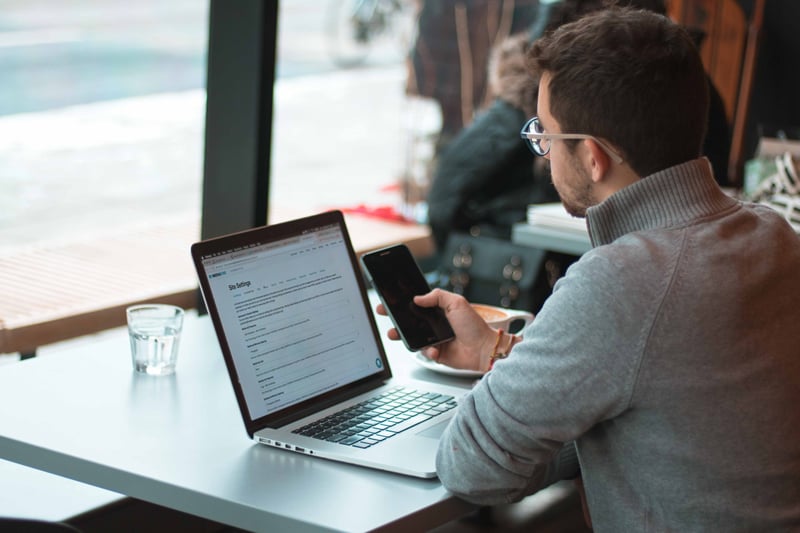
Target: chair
[729,52]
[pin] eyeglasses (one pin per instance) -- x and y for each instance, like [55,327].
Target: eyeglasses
[539,142]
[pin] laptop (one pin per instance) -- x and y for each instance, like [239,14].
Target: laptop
[290,308]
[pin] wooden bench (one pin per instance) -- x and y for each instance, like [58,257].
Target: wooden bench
[51,293]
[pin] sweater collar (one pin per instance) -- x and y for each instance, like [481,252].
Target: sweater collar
[672,197]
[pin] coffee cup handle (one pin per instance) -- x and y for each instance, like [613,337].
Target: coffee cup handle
[516,315]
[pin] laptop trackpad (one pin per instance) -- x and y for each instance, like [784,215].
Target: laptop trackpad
[434,432]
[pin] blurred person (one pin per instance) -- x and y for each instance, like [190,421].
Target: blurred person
[666,357]
[485,179]
[450,54]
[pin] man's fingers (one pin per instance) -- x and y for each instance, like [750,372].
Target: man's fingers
[431,352]
[430,299]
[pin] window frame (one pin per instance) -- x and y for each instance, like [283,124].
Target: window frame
[242,42]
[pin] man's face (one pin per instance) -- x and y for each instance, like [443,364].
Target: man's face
[571,178]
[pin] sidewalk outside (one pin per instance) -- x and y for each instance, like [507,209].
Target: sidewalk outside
[338,140]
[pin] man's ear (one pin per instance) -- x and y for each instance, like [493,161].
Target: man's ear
[599,162]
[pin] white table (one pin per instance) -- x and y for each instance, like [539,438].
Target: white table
[551,239]
[178,441]
[31,494]
[551,228]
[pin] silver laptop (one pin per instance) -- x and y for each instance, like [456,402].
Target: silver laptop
[291,312]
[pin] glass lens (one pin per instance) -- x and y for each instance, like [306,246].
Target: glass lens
[540,146]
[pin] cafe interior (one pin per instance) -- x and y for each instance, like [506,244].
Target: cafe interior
[254,113]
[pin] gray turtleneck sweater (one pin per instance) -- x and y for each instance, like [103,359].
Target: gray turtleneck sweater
[670,354]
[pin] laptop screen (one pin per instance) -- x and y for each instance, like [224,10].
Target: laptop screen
[293,312]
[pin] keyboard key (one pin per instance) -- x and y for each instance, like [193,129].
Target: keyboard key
[351,440]
[411,422]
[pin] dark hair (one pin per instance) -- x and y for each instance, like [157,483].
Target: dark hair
[631,77]
[567,11]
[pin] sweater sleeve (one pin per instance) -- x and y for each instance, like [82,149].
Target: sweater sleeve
[575,367]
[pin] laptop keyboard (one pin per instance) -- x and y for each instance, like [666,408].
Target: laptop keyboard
[379,418]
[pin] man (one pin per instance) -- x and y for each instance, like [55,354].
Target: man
[670,352]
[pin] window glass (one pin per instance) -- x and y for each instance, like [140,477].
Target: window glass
[345,132]
[101,116]
[102,113]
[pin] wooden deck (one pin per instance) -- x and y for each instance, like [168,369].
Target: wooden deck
[51,293]
[56,292]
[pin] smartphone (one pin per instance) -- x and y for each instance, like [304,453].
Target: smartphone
[397,278]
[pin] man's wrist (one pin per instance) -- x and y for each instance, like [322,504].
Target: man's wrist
[503,344]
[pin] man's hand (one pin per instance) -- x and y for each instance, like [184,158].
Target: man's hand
[474,339]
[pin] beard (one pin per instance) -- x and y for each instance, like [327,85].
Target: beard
[576,192]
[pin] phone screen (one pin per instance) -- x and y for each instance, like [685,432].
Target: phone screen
[397,278]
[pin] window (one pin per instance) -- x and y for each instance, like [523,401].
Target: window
[118,115]
[102,108]
[336,130]
[345,133]
[101,116]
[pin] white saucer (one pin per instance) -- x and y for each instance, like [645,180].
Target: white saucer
[444,369]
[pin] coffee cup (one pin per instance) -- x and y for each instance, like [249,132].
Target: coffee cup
[511,320]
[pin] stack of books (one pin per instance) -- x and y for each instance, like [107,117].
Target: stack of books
[555,216]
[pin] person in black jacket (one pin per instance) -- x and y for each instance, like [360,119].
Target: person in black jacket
[485,176]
